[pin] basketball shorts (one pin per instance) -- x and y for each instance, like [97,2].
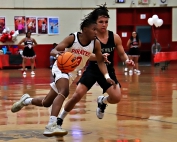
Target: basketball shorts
[90,77]
[57,74]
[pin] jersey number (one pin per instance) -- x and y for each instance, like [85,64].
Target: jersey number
[79,59]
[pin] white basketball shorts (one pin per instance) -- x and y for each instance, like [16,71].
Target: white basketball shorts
[58,74]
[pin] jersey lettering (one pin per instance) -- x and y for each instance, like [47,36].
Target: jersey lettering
[82,52]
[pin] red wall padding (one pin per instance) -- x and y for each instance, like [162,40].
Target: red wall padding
[42,55]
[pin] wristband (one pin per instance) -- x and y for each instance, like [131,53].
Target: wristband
[127,60]
[106,76]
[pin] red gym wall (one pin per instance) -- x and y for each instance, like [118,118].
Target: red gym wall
[129,18]
[42,55]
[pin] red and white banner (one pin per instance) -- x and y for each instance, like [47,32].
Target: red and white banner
[165,56]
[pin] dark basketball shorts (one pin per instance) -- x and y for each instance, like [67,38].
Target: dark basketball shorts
[90,77]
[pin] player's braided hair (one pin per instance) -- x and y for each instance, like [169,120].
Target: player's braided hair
[101,10]
[93,16]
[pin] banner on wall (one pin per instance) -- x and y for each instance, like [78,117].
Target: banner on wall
[2,24]
[42,23]
[19,22]
[53,25]
[31,24]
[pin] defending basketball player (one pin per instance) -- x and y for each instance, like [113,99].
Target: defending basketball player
[109,42]
[82,45]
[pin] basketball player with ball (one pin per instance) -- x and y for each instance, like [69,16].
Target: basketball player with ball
[81,45]
[109,42]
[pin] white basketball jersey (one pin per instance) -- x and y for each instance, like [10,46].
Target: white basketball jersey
[81,52]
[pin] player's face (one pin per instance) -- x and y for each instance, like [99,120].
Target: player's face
[28,35]
[91,31]
[134,34]
[102,24]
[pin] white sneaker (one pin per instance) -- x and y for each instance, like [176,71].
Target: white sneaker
[130,72]
[125,69]
[19,104]
[101,107]
[137,71]
[32,73]
[54,130]
[24,73]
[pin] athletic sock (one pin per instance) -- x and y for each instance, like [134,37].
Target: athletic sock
[63,114]
[105,100]
[28,101]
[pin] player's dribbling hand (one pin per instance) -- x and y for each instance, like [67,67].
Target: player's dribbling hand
[130,63]
[109,80]
[105,55]
[59,53]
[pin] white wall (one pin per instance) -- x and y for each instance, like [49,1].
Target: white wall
[69,21]
[76,3]
[174,24]
[70,13]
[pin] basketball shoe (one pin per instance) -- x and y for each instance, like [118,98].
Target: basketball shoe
[32,73]
[101,107]
[19,104]
[54,130]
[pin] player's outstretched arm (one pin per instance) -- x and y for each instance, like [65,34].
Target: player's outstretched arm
[120,50]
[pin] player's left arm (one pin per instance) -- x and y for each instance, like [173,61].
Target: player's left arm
[100,62]
[120,50]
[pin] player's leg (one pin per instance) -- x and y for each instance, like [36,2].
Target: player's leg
[85,83]
[26,100]
[24,65]
[136,64]
[114,94]
[61,87]
[32,66]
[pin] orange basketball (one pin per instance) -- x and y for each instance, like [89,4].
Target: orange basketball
[67,62]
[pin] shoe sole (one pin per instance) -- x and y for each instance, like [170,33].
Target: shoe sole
[56,134]
[97,114]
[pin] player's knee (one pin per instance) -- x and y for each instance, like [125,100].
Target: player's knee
[64,92]
[46,104]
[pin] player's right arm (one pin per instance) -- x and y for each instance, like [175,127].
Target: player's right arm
[100,62]
[67,42]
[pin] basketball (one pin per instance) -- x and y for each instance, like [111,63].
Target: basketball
[67,62]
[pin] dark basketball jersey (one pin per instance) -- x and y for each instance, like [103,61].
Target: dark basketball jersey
[106,48]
